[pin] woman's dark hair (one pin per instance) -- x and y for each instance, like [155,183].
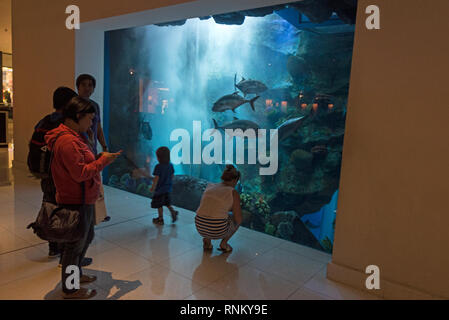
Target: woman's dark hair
[77,106]
[163,155]
[230,173]
[62,96]
[83,77]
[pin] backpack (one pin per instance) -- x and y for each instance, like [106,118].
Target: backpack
[38,154]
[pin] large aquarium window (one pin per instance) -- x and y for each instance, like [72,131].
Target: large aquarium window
[264,89]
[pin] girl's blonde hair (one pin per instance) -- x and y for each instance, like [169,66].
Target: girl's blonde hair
[230,173]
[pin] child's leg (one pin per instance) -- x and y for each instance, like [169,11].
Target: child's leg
[174,213]
[160,219]
[160,212]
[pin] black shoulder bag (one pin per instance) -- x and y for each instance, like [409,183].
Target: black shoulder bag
[59,224]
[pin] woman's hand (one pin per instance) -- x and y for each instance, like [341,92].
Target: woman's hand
[110,157]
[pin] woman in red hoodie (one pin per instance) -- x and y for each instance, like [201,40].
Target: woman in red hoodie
[73,166]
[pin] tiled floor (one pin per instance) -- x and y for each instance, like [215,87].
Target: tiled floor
[135,259]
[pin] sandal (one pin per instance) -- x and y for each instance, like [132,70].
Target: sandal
[158,221]
[82,293]
[227,249]
[86,279]
[174,216]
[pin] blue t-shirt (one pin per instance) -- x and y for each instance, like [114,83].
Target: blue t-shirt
[164,172]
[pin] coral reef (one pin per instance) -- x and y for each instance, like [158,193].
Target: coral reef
[187,191]
[256,210]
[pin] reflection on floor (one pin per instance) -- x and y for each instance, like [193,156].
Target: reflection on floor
[135,259]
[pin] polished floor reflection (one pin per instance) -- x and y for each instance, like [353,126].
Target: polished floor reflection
[135,259]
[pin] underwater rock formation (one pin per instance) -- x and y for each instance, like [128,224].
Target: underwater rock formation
[346,10]
[187,191]
[290,227]
[172,23]
[255,211]
[230,18]
[301,159]
[317,11]
[322,61]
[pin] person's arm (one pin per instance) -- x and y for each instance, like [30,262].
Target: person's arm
[101,138]
[74,162]
[155,181]
[236,209]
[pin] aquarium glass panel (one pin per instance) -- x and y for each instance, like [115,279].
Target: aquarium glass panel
[263,89]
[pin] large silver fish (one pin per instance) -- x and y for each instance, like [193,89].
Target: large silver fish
[237,124]
[232,102]
[250,86]
[289,127]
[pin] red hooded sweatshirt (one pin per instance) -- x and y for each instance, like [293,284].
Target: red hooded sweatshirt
[73,162]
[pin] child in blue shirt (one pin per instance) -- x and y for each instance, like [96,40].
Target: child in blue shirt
[162,185]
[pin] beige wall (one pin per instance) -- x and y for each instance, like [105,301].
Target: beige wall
[44,54]
[5,26]
[393,204]
[393,199]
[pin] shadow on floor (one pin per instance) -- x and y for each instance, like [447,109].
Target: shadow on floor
[122,287]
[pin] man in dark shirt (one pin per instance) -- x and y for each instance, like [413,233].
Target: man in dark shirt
[61,97]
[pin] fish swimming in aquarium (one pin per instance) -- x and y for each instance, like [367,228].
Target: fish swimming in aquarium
[147,131]
[289,127]
[232,102]
[237,124]
[249,86]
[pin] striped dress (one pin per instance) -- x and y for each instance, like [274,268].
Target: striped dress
[212,217]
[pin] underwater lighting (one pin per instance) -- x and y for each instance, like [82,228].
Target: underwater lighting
[284,106]
[315,106]
[330,105]
[304,105]
[269,103]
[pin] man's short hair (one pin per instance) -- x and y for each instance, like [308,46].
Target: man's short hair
[62,96]
[83,77]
